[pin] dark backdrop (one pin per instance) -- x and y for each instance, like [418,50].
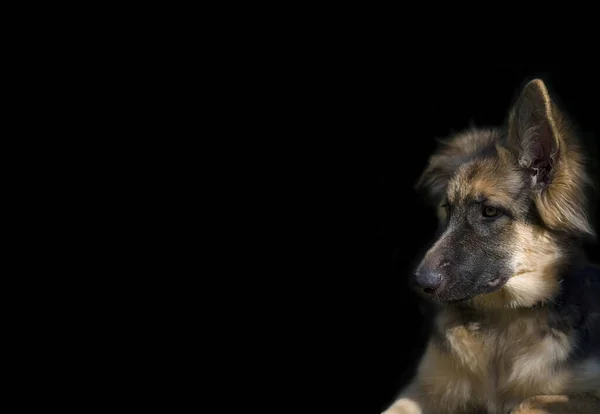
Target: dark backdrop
[386,119]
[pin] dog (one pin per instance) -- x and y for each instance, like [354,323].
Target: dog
[517,321]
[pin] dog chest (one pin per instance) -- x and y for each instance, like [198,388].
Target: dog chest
[495,362]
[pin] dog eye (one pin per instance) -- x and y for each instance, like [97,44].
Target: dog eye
[489,211]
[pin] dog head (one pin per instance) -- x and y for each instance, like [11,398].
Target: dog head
[507,201]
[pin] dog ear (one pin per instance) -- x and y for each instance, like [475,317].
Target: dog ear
[434,178]
[533,134]
[541,139]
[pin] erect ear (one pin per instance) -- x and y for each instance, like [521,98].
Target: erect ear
[540,138]
[533,134]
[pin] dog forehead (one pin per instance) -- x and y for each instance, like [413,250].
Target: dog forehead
[487,178]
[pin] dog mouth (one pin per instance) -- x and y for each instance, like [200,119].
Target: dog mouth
[454,301]
[495,282]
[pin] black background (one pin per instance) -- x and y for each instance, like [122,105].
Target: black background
[386,119]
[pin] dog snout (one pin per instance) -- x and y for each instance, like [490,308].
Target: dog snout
[428,280]
[430,275]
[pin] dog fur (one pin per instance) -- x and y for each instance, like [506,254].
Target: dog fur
[517,327]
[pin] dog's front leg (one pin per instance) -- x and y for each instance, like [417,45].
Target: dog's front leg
[559,404]
[442,386]
[411,401]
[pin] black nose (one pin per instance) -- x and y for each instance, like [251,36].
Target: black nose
[429,281]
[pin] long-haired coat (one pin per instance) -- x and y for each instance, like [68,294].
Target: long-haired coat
[518,325]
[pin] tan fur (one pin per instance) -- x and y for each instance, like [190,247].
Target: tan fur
[534,271]
[558,404]
[495,362]
[560,205]
[505,357]
[459,147]
[492,179]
